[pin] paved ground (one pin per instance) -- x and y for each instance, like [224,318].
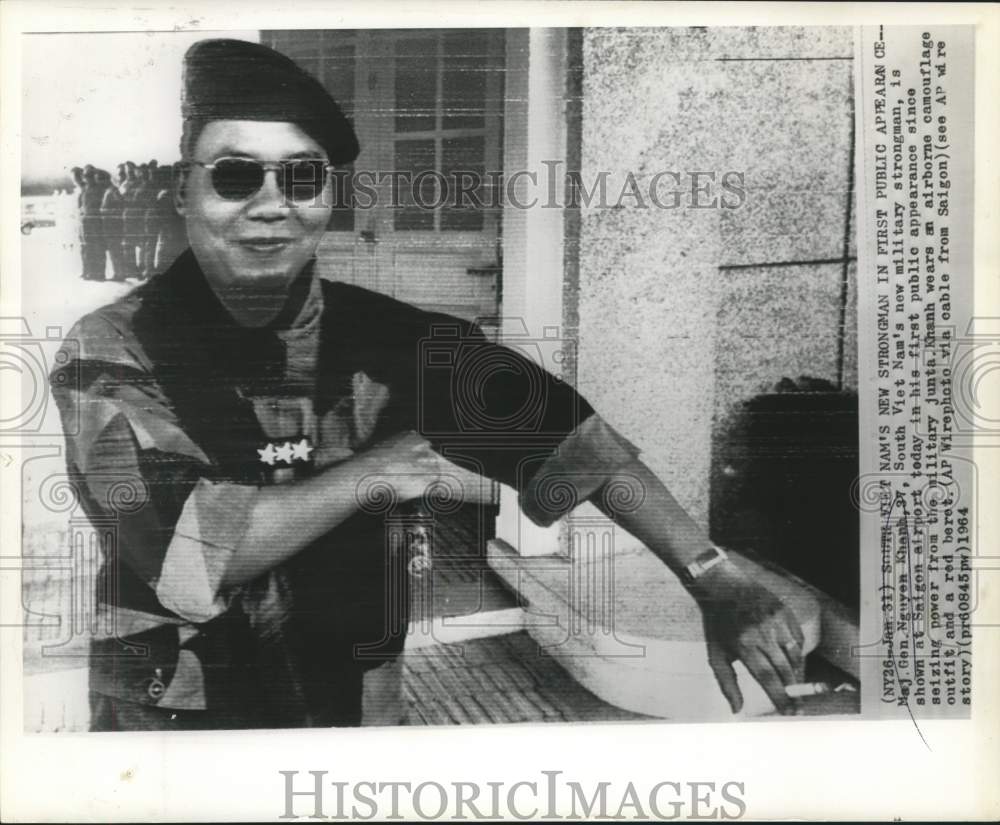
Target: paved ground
[502,679]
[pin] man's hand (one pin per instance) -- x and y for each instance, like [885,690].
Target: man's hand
[746,621]
[408,463]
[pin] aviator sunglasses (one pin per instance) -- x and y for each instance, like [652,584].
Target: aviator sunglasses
[237,179]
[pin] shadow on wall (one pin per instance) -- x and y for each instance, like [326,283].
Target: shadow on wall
[783,466]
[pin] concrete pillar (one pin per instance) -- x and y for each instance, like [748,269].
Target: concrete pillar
[533,228]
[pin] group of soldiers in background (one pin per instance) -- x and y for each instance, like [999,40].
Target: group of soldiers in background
[129,223]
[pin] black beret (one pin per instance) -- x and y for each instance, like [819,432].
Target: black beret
[238,80]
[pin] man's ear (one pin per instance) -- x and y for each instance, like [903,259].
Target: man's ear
[180,188]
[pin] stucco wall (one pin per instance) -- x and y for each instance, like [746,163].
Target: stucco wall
[685,312]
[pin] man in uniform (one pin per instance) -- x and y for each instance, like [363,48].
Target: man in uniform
[79,184]
[111,225]
[164,225]
[92,232]
[147,198]
[258,415]
[133,219]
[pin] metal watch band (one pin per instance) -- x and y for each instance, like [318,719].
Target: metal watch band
[705,562]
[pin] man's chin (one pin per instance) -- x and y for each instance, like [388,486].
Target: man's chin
[253,305]
[264,280]
[257,295]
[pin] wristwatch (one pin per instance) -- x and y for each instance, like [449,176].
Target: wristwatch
[704,562]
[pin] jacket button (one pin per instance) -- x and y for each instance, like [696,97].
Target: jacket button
[155,689]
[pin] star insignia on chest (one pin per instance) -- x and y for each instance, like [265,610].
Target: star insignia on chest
[302,449]
[286,453]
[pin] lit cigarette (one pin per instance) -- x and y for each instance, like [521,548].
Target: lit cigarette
[806,689]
